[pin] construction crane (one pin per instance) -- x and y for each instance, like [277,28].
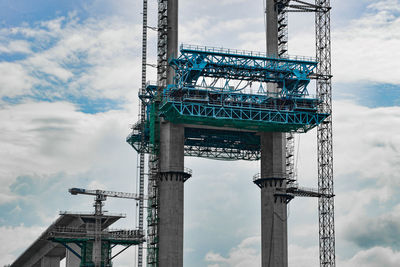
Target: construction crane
[105,194]
[100,196]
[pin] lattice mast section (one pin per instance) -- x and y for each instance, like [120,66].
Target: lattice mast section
[154,171]
[283,52]
[324,136]
[142,129]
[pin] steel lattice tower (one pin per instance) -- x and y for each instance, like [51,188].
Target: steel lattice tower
[324,132]
[323,77]
[142,125]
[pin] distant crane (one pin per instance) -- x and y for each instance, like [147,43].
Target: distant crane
[101,195]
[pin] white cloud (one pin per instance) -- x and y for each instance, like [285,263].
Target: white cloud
[94,58]
[374,257]
[365,136]
[366,49]
[247,253]
[15,46]
[15,80]
[47,138]
[300,256]
[15,240]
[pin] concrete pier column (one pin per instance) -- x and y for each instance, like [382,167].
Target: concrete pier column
[71,260]
[50,261]
[272,178]
[172,35]
[171,194]
[273,201]
[172,175]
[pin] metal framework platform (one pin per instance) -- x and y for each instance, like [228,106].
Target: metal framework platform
[208,143]
[195,100]
[290,73]
[242,111]
[84,238]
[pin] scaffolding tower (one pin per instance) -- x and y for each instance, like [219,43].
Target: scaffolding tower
[323,77]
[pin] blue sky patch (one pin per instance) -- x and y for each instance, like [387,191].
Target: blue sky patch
[15,12]
[372,95]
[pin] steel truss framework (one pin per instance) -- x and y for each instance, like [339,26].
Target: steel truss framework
[209,143]
[288,110]
[142,119]
[154,129]
[322,8]
[325,149]
[85,239]
[291,74]
[237,117]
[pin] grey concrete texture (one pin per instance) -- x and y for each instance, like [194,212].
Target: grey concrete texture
[71,259]
[273,160]
[171,193]
[50,262]
[171,147]
[273,155]
[172,36]
[171,187]
[273,229]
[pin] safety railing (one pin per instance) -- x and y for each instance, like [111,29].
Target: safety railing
[243,52]
[91,213]
[88,232]
[278,175]
[246,91]
[188,171]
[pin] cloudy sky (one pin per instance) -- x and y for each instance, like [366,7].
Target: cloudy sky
[69,76]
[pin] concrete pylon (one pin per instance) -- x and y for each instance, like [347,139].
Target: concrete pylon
[50,261]
[171,189]
[273,154]
[71,260]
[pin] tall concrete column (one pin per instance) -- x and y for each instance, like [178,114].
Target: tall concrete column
[50,261]
[171,194]
[272,179]
[171,190]
[273,201]
[71,260]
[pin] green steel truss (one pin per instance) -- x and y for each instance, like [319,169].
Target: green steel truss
[86,248]
[291,74]
[209,143]
[193,101]
[242,111]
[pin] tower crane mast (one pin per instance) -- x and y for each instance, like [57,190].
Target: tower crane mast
[100,196]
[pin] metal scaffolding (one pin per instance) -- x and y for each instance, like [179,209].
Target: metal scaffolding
[324,132]
[323,77]
[142,118]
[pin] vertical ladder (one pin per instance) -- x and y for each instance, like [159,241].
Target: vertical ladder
[153,205]
[142,129]
[281,6]
[321,8]
[324,136]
